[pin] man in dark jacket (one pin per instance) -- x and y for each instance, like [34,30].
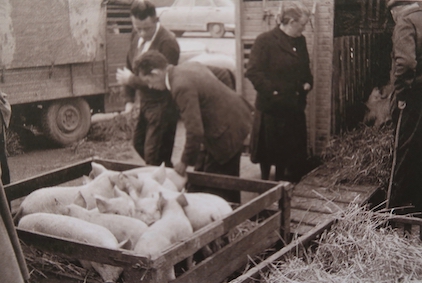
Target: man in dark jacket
[214,115]
[156,128]
[407,78]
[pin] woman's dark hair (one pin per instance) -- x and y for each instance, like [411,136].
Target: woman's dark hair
[149,61]
[142,9]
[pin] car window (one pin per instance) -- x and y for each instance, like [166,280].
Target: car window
[182,3]
[224,3]
[203,3]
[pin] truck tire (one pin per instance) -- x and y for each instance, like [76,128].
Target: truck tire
[216,30]
[66,121]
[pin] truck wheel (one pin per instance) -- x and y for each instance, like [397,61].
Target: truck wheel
[66,121]
[216,30]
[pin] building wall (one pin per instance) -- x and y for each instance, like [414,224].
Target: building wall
[255,17]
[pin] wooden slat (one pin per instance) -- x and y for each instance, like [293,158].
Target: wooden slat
[317,205]
[253,275]
[336,195]
[76,250]
[217,267]
[51,178]
[309,217]
[229,182]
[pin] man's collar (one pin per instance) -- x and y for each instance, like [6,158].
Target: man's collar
[141,40]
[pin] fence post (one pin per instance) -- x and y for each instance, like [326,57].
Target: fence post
[284,206]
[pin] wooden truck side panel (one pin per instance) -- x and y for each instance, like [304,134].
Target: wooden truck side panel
[52,49]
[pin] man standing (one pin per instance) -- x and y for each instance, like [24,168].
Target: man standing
[214,115]
[156,128]
[407,78]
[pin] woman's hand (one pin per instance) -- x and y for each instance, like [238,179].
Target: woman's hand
[306,86]
[123,76]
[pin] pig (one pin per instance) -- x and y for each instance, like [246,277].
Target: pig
[172,227]
[201,208]
[51,199]
[122,204]
[122,227]
[156,171]
[78,230]
[379,106]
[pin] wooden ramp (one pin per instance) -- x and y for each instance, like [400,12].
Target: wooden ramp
[312,203]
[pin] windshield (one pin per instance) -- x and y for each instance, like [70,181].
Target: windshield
[224,3]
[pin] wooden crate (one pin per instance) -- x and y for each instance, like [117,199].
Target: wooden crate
[275,220]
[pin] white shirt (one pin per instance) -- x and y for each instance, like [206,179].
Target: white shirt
[147,44]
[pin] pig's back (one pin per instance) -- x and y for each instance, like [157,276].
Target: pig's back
[69,228]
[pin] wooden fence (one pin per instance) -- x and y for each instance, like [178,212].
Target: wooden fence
[360,63]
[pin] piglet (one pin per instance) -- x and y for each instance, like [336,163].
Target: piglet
[80,231]
[171,228]
[51,199]
[122,227]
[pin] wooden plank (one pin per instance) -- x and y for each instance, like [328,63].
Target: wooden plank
[230,182]
[299,229]
[317,205]
[232,257]
[52,178]
[333,194]
[76,250]
[309,217]
[253,275]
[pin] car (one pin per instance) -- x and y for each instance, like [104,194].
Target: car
[191,50]
[215,16]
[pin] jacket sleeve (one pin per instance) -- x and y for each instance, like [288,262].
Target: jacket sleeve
[258,66]
[171,50]
[187,99]
[404,58]
[308,78]
[129,90]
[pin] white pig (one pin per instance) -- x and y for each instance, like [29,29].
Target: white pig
[122,227]
[156,171]
[201,208]
[171,228]
[121,204]
[78,230]
[51,199]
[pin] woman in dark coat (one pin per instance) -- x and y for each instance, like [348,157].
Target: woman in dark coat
[280,72]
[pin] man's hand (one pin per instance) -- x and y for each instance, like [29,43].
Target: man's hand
[180,168]
[123,76]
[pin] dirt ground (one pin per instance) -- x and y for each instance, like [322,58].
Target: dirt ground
[43,158]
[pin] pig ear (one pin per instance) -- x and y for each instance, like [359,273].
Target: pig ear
[160,174]
[102,203]
[118,192]
[126,244]
[80,200]
[86,179]
[161,201]
[96,170]
[181,199]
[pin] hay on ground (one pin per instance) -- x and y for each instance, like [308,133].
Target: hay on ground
[358,248]
[359,157]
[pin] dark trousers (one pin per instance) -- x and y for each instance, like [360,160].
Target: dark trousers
[5,172]
[407,185]
[155,132]
[206,163]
